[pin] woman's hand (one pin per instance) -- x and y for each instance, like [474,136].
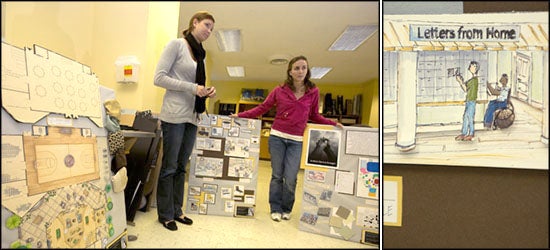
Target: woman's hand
[211,92]
[202,91]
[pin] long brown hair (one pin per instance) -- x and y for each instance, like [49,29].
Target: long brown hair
[289,82]
[200,15]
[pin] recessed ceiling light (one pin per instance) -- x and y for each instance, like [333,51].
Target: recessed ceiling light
[235,71]
[229,40]
[352,37]
[319,72]
[278,59]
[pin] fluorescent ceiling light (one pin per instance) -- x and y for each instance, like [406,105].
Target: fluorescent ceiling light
[352,37]
[229,40]
[319,72]
[235,71]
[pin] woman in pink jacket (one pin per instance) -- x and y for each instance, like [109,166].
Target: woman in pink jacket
[297,102]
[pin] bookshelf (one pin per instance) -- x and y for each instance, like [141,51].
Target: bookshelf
[346,120]
[222,108]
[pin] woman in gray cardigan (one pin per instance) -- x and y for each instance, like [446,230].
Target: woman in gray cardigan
[180,71]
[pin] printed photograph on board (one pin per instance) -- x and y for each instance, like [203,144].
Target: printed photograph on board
[322,148]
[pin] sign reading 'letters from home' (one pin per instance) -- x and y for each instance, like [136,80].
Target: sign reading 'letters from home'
[464,33]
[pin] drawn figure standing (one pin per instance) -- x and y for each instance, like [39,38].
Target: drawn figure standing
[470,87]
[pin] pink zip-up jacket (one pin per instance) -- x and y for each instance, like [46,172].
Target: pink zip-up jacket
[292,114]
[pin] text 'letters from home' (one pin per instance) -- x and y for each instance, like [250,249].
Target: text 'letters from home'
[464,33]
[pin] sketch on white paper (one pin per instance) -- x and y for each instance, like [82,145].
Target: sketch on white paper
[229,206]
[60,85]
[226,192]
[362,142]
[233,131]
[203,208]
[237,147]
[194,190]
[217,131]
[249,199]
[193,204]
[344,182]
[238,190]
[239,167]
[214,120]
[205,143]
[209,166]
[209,198]
[392,200]
[210,188]
[439,90]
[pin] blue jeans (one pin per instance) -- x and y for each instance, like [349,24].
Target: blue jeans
[177,144]
[468,118]
[493,106]
[285,164]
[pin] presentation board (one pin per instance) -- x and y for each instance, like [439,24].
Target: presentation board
[57,189]
[224,167]
[341,183]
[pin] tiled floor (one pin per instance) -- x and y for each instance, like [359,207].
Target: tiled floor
[210,231]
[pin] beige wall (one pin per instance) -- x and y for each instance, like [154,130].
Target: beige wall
[96,34]
[65,28]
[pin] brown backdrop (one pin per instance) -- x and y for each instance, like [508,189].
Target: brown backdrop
[466,207]
[503,6]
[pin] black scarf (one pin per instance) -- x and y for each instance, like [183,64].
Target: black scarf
[200,78]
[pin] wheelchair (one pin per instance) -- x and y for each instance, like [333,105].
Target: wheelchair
[504,117]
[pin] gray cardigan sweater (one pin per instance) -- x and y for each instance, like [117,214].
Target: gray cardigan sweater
[176,72]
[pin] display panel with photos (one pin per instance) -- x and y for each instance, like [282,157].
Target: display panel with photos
[341,194]
[224,167]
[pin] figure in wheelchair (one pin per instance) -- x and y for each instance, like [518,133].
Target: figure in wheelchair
[500,111]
